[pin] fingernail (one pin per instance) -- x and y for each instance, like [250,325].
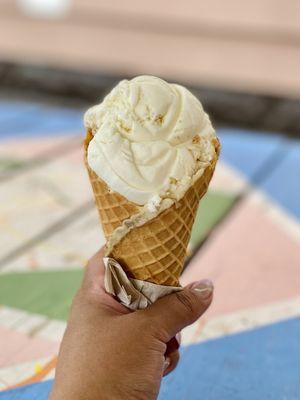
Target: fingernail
[166,363]
[178,337]
[203,288]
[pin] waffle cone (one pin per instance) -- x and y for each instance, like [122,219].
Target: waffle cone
[154,252]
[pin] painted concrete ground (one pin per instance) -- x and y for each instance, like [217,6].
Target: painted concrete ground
[246,238]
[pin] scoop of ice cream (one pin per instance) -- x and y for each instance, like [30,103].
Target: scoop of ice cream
[150,137]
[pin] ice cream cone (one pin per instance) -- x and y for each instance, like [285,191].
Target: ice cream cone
[154,251]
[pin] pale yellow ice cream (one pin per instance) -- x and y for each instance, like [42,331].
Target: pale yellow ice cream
[151,140]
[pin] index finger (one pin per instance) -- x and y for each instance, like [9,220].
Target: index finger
[93,278]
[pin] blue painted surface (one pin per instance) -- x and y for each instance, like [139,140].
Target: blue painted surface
[260,364]
[12,109]
[36,391]
[248,151]
[19,119]
[283,184]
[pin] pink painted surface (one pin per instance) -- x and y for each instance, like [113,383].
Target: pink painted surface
[250,259]
[18,348]
[25,149]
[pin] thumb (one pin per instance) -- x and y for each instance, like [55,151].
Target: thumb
[178,310]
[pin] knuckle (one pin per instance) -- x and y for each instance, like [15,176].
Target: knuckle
[148,325]
[187,300]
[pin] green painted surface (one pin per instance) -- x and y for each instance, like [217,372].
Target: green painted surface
[10,164]
[212,209]
[48,293]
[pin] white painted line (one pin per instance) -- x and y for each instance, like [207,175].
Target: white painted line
[241,321]
[37,199]
[33,325]
[280,216]
[71,247]
[14,374]
[53,331]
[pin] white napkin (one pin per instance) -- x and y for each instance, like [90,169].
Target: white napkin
[132,293]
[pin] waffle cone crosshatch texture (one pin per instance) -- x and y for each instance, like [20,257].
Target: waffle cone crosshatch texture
[155,251]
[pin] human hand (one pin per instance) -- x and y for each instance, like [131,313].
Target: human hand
[110,353]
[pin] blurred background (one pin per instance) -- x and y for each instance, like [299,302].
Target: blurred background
[241,59]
